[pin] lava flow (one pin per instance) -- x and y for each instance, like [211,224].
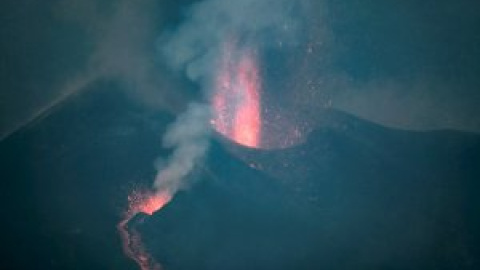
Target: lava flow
[236,98]
[146,202]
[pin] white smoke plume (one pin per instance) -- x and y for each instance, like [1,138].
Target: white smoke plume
[189,137]
[193,49]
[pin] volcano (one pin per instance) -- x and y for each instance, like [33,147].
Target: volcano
[354,195]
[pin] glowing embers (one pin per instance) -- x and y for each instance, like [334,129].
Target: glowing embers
[236,98]
[146,202]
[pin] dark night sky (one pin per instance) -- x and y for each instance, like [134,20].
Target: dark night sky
[408,64]
[95,80]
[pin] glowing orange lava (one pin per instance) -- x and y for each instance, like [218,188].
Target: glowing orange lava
[236,100]
[146,202]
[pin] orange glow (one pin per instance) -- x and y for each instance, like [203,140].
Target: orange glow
[236,101]
[146,202]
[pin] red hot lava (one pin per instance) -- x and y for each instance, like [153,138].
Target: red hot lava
[236,100]
[146,202]
[236,106]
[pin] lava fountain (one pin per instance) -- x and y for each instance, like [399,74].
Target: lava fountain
[146,202]
[236,115]
[236,97]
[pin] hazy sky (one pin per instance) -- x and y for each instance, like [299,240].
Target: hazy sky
[408,64]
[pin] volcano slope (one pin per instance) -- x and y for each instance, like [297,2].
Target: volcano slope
[355,195]
[66,178]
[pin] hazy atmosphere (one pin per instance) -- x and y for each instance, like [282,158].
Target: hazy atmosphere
[240,134]
[405,64]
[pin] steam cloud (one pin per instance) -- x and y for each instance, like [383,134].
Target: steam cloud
[194,48]
[434,79]
[188,135]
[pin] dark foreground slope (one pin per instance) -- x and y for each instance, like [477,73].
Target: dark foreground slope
[354,196]
[66,177]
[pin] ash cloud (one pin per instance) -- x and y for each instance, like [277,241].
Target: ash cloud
[193,50]
[123,35]
[431,55]
[117,39]
[195,45]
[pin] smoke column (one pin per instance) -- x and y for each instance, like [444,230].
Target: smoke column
[216,48]
[222,46]
[188,136]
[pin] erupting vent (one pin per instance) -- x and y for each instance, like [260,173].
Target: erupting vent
[236,98]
